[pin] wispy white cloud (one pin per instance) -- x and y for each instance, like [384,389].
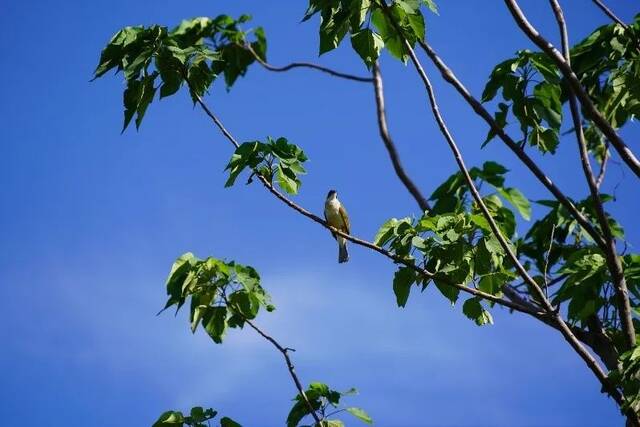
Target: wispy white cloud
[347,333]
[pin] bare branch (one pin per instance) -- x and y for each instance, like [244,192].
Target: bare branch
[613,261]
[292,371]
[610,14]
[317,67]
[390,146]
[587,104]
[451,78]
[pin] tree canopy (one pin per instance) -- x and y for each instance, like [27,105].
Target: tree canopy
[474,237]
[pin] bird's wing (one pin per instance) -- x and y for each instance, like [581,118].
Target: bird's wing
[345,220]
[327,219]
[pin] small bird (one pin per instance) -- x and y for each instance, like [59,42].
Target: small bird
[336,216]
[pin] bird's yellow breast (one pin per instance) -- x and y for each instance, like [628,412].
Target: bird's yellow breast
[332,213]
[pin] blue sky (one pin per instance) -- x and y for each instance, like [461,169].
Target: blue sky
[92,220]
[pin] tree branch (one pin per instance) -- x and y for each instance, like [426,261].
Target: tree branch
[587,104]
[390,146]
[610,14]
[564,329]
[479,109]
[290,367]
[317,67]
[562,326]
[360,242]
[543,316]
[613,261]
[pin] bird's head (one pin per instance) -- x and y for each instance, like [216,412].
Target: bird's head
[332,194]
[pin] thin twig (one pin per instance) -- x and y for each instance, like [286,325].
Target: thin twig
[290,367]
[613,261]
[610,14]
[317,67]
[285,354]
[554,314]
[546,262]
[587,104]
[603,167]
[390,146]
[479,109]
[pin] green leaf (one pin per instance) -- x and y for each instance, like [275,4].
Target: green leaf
[368,45]
[545,66]
[260,45]
[287,179]
[170,68]
[451,185]
[550,106]
[416,22]
[545,139]
[179,272]
[517,200]
[131,100]
[360,10]
[474,311]
[199,305]
[497,78]
[385,233]
[500,119]
[449,292]
[431,5]
[146,97]
[299,410]
[360,414]
[314,7]
[113,54]
[214,322]
[334,26]
[248,154]
[494,168]
[492,283]
[402,281]
[228,422]
[392,41]
[170,419]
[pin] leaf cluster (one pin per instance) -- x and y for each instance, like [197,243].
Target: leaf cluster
[222,294]
[371,24]
[454,241]
[198,417]
[273,159]
[607,63]
[194,53]
[530,86]
[323,399]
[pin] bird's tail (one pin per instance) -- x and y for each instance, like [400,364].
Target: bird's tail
[343,254]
